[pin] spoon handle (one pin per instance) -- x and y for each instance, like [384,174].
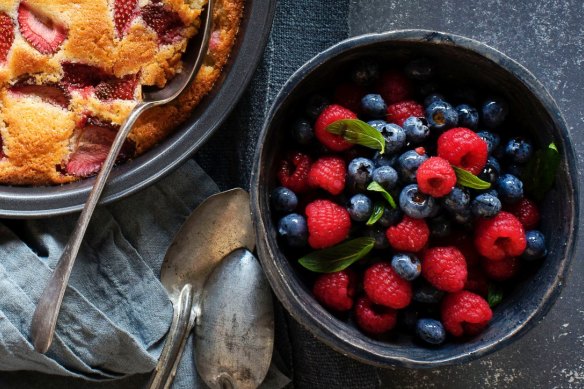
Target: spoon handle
[45,315]
[177,336]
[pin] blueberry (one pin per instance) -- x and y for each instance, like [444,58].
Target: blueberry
[359,174]
[494,111]
[373,106]
[430,331]
[293,229]
[518,150]
[420,69]
[416,129]
[365,72]
[468,116]
[510,188]
[316,104]
[360,207]
[284,200]
[458,200]
[408,163]
[407,266]
[386,176]
[433,98]
[441,116]
[493,140]
[377,124]
[390,217]
[464,94]
[516,170]
[491,171]
[427,294]
[440,226]
[395,137]
[485,205]
[380,237]
[463,217]
[302,131]
[535,245]
[415,203]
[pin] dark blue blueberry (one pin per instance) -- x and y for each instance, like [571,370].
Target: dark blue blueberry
[407,266]
[430,331]
[359,174]
[390,217]
[464,94]
[379,235]
[518,150]
[485,205]
[516,170]
[493,140]
[427,294]
[420,69]
[360,207]
[284,200]
[302,131]
[293,229]
[441,115]
[373,106]
[494,111]
[468,116]
[416,129]
[463,217]
[510,188]
[386,176]
[365,72]
[395,137]
[432,99]
[535,245]
[408,164]
[440,226]
[377,124]
[316,104]
[458,200]
[491,171]
[415,203]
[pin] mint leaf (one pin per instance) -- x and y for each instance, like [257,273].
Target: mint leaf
[540,173]
[375,187]
[378,209]
[495,296]
[338,257]
[358,132]
[466,178]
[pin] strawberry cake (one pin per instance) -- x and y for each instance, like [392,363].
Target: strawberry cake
[71,72]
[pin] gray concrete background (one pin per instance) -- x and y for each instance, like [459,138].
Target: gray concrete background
[547,37]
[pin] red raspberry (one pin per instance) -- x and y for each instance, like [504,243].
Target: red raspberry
[349,95]
[465,312]
[501,270]
[335,290]
[465,244]
[500,237]
[436,177]
[445,268]
[328,173]
[398,113]
[409,235]
[328,223]
[394,86]
[329,115]
[385,287]
[374,319]
[476,281]
[293,172]
[526,211]
[463,148]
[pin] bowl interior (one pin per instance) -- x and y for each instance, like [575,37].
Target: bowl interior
[458,61]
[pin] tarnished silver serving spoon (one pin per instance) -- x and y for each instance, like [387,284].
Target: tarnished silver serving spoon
[48,306]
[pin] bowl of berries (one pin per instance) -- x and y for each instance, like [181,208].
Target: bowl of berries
[415,198]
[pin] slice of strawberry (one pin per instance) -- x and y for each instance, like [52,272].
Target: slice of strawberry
[52,93]
[80,75]
[6,35]
[124,13]
[117,88]
[166,23]
[39,31]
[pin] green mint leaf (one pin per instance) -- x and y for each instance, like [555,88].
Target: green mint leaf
[540,173]
[376,215]
[375,187]
[338,257]
[466,178]
[495,296]
[358,132]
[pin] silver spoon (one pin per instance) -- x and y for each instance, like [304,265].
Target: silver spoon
[47,310]
[219,225]
[234,335]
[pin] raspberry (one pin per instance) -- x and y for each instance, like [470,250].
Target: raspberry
[436,177]
[465,312]
[445,268]
[476,281]
[331,114]
[527,212]
[293,172]
[349,95]
[501,270]
[328,173]
[374,319]
[394,86]
[464,243]
[463,148]
[385,287]
[409,235]
[328,223]
[398,113]
[335,290]
[499,237]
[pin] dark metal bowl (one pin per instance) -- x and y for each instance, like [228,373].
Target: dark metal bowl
[27,202]
[469,60]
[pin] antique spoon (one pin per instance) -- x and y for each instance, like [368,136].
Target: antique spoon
[45,315]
